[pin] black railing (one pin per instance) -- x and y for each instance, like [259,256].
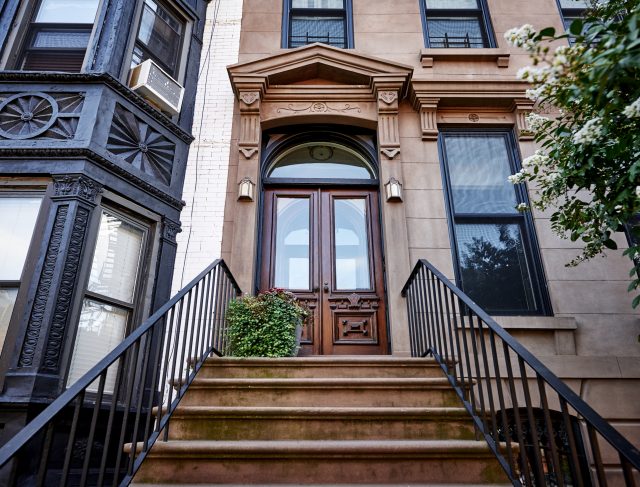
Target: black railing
[80,438]
[303,40]
[449,41]
[531,420]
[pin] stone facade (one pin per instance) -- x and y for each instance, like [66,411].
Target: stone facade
[591,339]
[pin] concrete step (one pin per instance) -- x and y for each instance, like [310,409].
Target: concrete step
[323,366]
[412,484]
[330,462]
[320,423]
[325,392]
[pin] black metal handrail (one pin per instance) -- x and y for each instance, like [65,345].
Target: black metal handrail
[304,39]
[531,420]
[80,438]
[450,41]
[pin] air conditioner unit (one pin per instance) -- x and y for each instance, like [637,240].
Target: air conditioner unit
[154,85]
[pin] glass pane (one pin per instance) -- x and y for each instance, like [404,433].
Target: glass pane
[317,3]
[494,267]
[7,300]
[478,170]
[116,259]
[56,39]
[101,328]
[67,11]
[456,32]
[352,244]
[292,243]
[468,4]
[306,30]
[314,161]
[573,3]
[17,220]
[160,33]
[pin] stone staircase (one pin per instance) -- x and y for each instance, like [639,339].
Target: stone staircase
[321,421]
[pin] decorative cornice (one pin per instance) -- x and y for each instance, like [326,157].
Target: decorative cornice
[107,79]
[76,186]
[50,153]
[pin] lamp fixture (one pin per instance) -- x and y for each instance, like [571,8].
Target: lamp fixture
[246,189]
[393,188]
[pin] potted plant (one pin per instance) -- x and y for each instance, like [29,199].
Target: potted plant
[266,325]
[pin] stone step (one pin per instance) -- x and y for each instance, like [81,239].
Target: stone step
[324,392]
[323,366]
[330,462]
[320,423]
[412,484]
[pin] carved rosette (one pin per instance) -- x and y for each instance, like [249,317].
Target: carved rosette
[40,115]
[76,186]
[141,145]
[249,123]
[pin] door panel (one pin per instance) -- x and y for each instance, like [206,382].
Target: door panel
[324,246]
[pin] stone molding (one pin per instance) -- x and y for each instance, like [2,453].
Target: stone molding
[500,57]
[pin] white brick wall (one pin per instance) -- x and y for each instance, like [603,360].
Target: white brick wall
[206,177]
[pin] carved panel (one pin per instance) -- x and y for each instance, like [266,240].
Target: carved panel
[249,123]
[308,326]
[354,301]
[354,326]
[142,146]
[388,131]
[64,298]
[76,186]
[428,108]
[40,115]
[318,107]
[34,325]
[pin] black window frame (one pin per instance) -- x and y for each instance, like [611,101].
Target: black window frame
[32,27]
[288,12]
[524,220]
[184,20]
[567,13]
[482,13]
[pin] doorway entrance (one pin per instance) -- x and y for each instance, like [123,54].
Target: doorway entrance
[322,242]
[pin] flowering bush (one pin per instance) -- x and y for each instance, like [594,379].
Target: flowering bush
[588,168]
[264,325]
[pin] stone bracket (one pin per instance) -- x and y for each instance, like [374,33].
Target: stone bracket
[428,109]
[249,102]
[523,107]
[388,130]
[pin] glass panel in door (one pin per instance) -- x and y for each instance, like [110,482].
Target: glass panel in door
[292,261]
[351,244]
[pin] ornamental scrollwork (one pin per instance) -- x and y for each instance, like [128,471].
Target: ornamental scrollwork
[170,229]
[319,107]
[388,96]
[76,186]
[141,145]
[40,115]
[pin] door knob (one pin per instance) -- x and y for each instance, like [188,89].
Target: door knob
[326,286]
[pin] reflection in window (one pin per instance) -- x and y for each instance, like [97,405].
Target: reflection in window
[321,161]
[110,296]
[159,37]
[456,23]
[58,35]
[494,260]
[17,221]
[292,243]
[493,266]
[351,244]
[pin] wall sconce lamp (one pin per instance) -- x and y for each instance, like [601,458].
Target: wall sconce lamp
[393,189]
[246,189]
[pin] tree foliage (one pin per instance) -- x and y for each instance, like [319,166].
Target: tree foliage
[587,169]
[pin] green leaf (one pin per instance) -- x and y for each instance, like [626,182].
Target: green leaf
[548,32]
[636,301]
[576,27]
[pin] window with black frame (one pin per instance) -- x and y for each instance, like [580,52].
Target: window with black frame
[309,21]
[160,36]
[18,214]
[494,249]
[572,10]
[110,299]
[457,23]
[58,35]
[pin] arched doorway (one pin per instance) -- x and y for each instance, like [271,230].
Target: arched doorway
[321,240]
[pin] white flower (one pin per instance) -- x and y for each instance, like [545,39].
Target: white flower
[590,133]
[534,94]
[522,207]
[618,208]
[633,110]
[536,121]
[553,176]
[517,177]
[537,159]
[638,191]
[522,37]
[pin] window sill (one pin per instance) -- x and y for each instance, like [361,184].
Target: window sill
[429,56]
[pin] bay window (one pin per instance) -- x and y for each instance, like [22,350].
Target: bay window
[108,307]
[495,254]
[456,23]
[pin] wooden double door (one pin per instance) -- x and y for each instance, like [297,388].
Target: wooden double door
[323,244]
